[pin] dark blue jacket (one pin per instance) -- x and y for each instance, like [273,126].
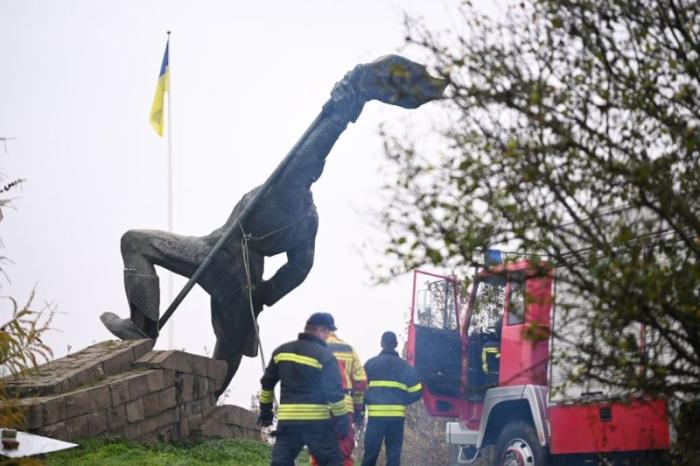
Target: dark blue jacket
[392,385]
[311,386]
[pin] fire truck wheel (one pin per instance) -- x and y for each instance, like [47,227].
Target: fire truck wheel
[517,445]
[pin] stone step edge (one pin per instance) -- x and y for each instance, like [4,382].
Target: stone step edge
[112,363]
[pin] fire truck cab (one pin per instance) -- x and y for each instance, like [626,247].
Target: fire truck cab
[490,368]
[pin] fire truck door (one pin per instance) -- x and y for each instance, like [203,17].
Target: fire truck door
[435,343]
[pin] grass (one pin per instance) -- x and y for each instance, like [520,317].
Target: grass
[207,452]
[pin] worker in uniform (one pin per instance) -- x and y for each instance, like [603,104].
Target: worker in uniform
[491,356]
[312,402]
[354,379]
[392,385]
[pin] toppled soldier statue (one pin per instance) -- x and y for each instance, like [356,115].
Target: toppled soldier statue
[278,216]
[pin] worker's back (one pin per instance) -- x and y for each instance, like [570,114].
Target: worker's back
[351,371]
[393,385]
[311,389]
[308,375]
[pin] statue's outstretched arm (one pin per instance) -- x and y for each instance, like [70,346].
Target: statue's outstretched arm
[306,164]
[393,80]
[289,276]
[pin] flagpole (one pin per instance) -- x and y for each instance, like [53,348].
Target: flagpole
[171,285]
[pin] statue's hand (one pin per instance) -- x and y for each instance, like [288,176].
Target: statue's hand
[260,294]
[396,80]
[345,104]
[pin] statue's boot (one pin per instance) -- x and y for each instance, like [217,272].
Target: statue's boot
[124,329]
[143,293]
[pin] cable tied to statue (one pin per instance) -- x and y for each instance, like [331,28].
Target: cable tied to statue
[245,238]
[249,284]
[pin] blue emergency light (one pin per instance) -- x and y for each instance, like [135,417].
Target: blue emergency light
[493,257]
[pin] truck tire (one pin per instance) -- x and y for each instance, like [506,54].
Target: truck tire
[517,445]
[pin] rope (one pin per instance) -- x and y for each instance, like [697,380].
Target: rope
[249,285]
[267,235]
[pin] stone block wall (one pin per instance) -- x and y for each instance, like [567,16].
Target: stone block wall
[124,389]
[230,421]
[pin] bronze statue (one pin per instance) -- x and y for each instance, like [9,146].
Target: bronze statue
[277,216]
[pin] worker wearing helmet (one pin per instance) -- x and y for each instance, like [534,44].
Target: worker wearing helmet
[392,386]
[311,391]
[354,381]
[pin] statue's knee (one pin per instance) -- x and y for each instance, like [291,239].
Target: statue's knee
[227,352]
[221,352]
[132,242]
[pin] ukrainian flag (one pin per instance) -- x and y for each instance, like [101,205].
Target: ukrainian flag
[157,117]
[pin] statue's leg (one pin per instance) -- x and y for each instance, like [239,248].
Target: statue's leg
[140,280]
[231,316]
[225,352]
[141,251]
[235,334]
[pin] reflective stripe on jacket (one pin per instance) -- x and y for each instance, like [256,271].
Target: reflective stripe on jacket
[311,387]
[351,371]
[393,385]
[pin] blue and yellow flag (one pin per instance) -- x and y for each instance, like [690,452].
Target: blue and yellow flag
[157,117]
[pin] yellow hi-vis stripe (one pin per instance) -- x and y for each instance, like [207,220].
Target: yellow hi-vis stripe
[339,408]
[343,355]
[348,400]
[386,410]
[265,396]
[485,352]
[298,359]
[303,412]
[392,384]
[414,388]
[388,384]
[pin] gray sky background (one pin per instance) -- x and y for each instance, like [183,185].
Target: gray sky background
[76,83]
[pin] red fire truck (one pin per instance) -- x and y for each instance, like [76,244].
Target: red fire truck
[481,368]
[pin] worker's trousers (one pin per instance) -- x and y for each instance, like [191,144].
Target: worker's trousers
[389,431]
[346,445]
[318,436]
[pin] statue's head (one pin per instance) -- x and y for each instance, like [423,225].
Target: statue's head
[396,80]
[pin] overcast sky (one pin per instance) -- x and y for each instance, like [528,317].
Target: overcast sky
[76,83]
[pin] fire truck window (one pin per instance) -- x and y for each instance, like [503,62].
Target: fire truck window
[516,303]
[435,305]
[488,304]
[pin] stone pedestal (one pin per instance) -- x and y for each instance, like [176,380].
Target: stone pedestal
[124,389]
